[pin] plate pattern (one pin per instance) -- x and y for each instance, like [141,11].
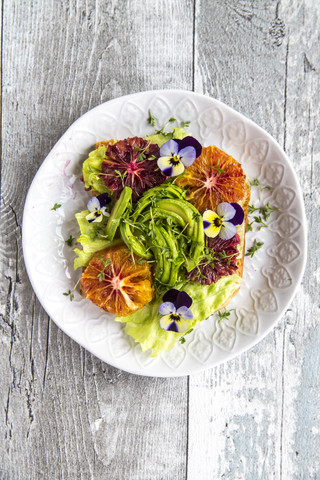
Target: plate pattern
[270,277]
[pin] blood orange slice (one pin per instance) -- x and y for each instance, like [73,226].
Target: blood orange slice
[117,283]
[214,177]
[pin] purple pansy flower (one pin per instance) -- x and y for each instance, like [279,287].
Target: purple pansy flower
[175,311]
[97,207]
[224,221]
[177,154]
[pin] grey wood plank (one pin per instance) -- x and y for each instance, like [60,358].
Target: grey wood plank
[257,416]
[65,414]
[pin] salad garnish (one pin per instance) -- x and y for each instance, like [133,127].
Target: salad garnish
[224,221]
[97,208]
[69,241]
[56,206]
[175,155]
[175,310]
[255,247]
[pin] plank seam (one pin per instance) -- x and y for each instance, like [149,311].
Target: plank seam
[285,98]
[194,45]
[188,409]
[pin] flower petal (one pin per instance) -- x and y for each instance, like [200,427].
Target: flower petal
[104,212]
[94,217]
[239,216]
[206,224]
[167,172]
[191,142]
[171,295]
[226,211]
[93,204]
[177,169]
[187,156]
[166,323]
[212,231]
[166,308]
[182,300]
[210,216]
[104,199]
[178,325]
[164,162]
[227,231]
[185,313]
[169,149]
[182,325]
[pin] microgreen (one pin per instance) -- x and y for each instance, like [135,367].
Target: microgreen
[56,206]
[260,222]
[224,315]
[254,248]
[69,241]
[101,275]
[182,339]
[267,210]
[122,176]
[70,293]
[185,124]
[151,119]
[256,183]
[217,168]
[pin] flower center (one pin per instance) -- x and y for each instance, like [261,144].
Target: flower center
[175,317]
[175,160]
[217,222]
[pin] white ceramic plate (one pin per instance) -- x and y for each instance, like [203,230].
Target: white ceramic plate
[270,279]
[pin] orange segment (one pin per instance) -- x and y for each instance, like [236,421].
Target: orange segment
[214,177]
[117,284]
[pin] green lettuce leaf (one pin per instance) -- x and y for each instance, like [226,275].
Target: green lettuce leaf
[161,138]
[144,325]
[91,169]
[93,239]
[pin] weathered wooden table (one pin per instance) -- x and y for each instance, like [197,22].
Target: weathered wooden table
[64,413]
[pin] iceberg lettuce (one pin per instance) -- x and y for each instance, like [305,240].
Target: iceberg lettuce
[93,238]
[91,169]
[144,324]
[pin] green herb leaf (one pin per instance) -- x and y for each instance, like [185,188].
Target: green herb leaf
[255,247]
[224,315]
[69,241]
[56,206]
[69,294]
[185,124]
[261,222]
[151,119]
[122,176]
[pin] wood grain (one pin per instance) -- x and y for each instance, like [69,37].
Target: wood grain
[64,413]
[252,417]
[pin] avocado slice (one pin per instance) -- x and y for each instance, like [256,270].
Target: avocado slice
[159,212]
[177,260]
[118,210]
[180,207]
[160,249]
[133,242]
